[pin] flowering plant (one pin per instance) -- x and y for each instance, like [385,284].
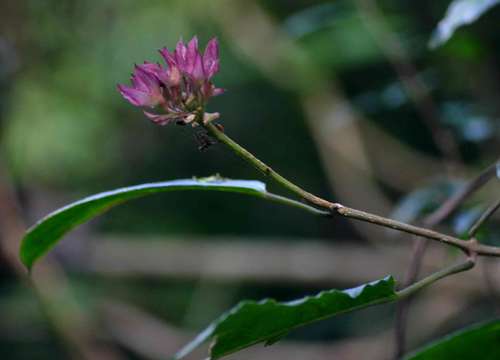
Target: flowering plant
[179,91]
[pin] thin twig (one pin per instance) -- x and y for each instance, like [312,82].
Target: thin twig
[420,247]
[401,316]
[453,269]
[483,218]
[294,203]
[458,198]
[345,211]
[410,290]
[440,214]
[469,247]
[266,169]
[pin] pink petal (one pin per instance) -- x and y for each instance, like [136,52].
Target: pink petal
[192,48]
[150,68]
[168,56]
[145,81]
[192,54]
[198,73]
[159,119]
[158,72]
[211,58]
[210,90]
[218,91]
[138,83]
[134,96]
[181,55]
[174,76]
[145,77]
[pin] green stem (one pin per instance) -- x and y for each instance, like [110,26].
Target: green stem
[294,203]
[483,218]
[466,246]
[471,248]
[453,269]
[266,169]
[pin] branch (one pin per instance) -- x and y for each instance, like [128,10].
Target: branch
[339,209]
[294,203]
[456,200]
[50,288]
[441,213]
[420,247]
[266,169]
[453,269]
[414,86]
[483,218]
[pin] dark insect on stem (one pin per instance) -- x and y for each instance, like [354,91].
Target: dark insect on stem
[220,127]
[204,140]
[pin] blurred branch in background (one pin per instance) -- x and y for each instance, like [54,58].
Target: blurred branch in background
[233,260]
[141,332]
[305,261]
[64,135]
[308,262]
[49,284]
[396,53]
[446,209]
[407,72]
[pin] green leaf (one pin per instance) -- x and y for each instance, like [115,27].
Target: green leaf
[267,321]
[42,236]
[459,13]
[481,341]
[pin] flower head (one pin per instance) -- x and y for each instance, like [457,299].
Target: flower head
[179,91]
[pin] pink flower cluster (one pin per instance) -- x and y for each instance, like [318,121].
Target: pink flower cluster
[179,91]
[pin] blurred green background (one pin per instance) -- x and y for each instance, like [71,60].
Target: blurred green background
[343,97]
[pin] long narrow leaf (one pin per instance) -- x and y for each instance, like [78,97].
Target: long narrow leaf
[267,321]
[42,236]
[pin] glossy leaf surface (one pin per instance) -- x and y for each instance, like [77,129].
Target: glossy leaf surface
[42,236]
[268,321]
